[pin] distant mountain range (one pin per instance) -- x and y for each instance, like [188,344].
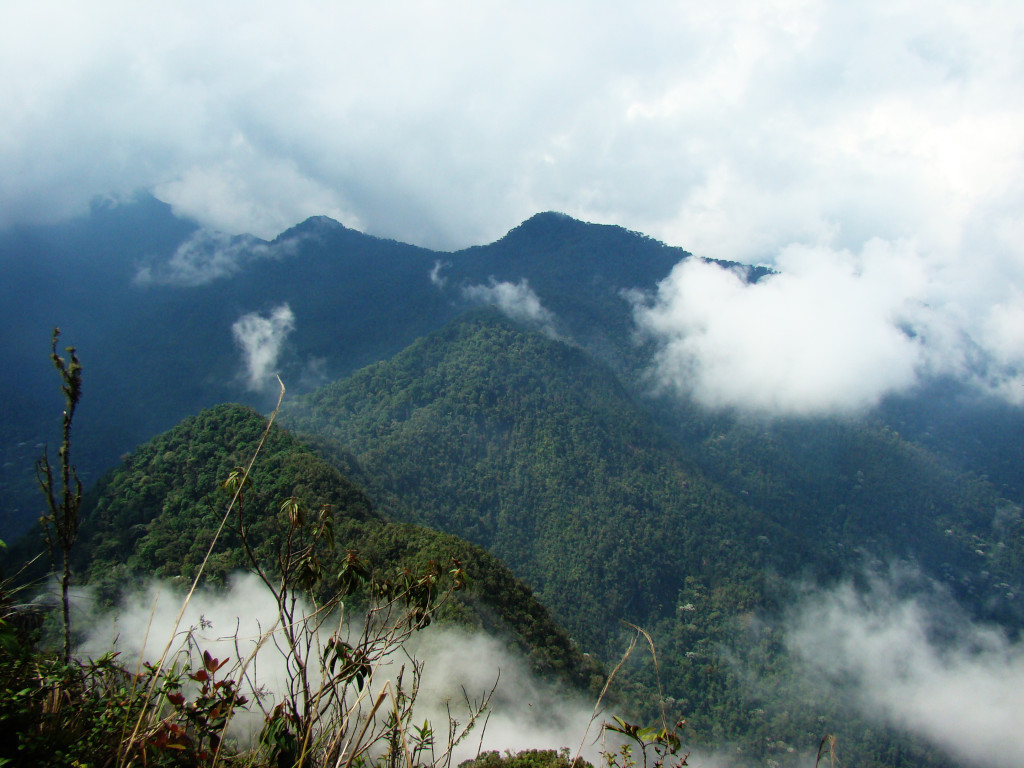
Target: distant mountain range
[150,300]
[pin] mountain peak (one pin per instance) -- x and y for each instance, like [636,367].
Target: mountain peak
[315,225]
[550,216]
[545,226]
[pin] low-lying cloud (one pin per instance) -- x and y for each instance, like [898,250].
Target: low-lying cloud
[517,300]
[436,278]
[919,665]
[261,339]
[207,256]
[830,331]
[525,712]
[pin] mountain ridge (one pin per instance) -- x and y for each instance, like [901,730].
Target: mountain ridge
[160,352]
[527,446]
[156,513]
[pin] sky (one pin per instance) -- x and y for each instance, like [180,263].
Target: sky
[875,148]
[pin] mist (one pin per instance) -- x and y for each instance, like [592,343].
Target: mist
[207,256]
[917,663]
[525,712]
[516,300]
[261,339]
[831,331]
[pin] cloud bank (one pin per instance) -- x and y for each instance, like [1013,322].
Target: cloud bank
[734,130]
[832,330]
[261,339]
[919,665]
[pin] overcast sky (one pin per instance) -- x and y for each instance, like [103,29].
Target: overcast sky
[817,135]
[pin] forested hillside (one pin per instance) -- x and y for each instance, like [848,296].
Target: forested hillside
[150,300]
[156,514]
[527,446]
[856,488]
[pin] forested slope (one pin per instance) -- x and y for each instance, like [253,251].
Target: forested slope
[529,448]
[139,291]
[857,489]
[157,512]
[696,526]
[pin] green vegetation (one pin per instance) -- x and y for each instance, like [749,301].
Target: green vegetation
[357,299]
[492,450]
[857,486]
[531,758]
[529,448]
[525,446]
[177,711]
[156,513]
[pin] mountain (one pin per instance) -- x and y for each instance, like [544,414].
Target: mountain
[857,488]
[156,514]
[527,428]
[150,302]
[531,448]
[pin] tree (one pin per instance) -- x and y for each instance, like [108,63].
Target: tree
[60,526]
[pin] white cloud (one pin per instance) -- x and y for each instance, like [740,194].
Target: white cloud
[247,192]
[912,665]
[207,256]
[261,339]
[436,278]
[517,300]
[832,331]
[525,711]
[835,330]
[1003,335]
[733,130]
